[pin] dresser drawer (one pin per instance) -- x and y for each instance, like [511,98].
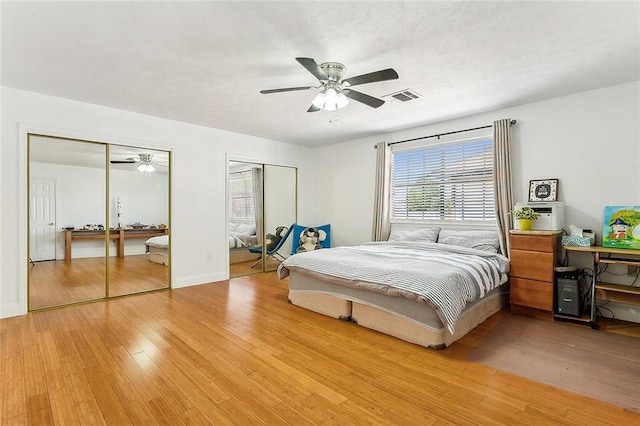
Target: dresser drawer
[531,293]
[532,265]
[544,243]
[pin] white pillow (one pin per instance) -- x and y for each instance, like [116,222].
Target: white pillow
[426,235]
[233,226]
[246,229]
[479,240]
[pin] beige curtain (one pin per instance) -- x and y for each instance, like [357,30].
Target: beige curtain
[381,217]
[256,179]
[502,180]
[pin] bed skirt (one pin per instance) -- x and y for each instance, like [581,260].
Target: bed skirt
[409,320]
[159,256]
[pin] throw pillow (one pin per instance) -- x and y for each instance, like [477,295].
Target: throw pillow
[479,240]
[428,235]
[297,230]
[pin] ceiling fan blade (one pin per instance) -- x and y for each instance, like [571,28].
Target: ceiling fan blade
[372,77]
[364,98]
[122,162]
[313,108]
[313,68]
[286,89]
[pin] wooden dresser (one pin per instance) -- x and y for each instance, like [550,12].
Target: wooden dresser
[534,254]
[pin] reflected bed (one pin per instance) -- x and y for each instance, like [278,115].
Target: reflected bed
[158,249]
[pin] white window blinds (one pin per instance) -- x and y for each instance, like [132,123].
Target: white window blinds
[450,181]
[241,195]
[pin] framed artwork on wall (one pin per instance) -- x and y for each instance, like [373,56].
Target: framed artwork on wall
[621,227]
[543,190]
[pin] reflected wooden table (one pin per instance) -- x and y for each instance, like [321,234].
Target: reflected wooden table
[120,235]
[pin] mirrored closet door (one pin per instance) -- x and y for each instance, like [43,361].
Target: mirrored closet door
[67,215]
[95,210]
[262,208]
[138,220]
[279,212]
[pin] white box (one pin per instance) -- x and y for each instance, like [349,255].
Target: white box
[551,215]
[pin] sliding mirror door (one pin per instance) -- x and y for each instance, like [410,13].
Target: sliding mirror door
[139,254]
[245,218]
[280,186]
[67,218]
[262,207]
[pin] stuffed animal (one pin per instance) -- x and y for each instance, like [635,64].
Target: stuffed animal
[273,240]
[310,240]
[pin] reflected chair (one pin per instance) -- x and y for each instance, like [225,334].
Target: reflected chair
[274,252]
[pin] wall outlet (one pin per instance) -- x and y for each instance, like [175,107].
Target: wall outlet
[209,255]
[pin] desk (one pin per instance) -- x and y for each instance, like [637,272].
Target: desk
[606,291]
[114,234]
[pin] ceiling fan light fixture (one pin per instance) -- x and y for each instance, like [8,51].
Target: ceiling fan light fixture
[330,99]
[342,101]
[318,101]
[145,168]
[331,84]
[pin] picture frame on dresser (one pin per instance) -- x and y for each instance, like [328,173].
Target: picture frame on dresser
[543,190]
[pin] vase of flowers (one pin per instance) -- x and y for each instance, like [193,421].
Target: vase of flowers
[525,215]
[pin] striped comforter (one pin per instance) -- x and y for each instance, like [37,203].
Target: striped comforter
[447,277]
[238,240]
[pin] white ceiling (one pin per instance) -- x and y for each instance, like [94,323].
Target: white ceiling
[205,62]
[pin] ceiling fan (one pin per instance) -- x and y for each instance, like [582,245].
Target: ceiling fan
[145,160]
[334,89]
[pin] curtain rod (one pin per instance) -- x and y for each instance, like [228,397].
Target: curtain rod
[512,123]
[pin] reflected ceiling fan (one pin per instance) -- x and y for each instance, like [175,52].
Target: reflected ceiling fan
[335,91]
[145,161]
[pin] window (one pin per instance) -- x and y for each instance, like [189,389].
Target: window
[445,181]
[241,195]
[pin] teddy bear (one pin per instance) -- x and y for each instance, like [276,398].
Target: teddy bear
[310,240]
[273,240]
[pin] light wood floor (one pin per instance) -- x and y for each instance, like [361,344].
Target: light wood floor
[244,268]
[59,282]
[237,352]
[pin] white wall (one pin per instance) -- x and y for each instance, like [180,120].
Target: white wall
[590,141]
[199,156]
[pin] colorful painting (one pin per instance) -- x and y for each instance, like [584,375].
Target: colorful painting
[621,227]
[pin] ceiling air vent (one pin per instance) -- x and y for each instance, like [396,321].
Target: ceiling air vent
[405,95]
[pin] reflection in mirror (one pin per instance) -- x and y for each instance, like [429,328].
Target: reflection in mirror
[139,254]
[67,216]
[262,208]
[279,213]
[245,218]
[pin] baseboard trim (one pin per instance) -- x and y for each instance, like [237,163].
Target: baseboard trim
[13,310]
[199,279]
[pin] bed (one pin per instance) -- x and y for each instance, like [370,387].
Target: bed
[242,235]
[158,249]
[428,287]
